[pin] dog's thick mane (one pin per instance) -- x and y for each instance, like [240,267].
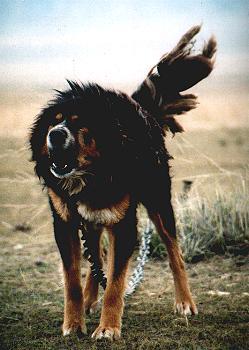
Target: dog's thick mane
[130,140]
[77,90]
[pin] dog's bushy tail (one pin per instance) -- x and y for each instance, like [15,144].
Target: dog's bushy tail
[177,71]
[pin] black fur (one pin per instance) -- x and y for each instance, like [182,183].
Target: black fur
[133,155]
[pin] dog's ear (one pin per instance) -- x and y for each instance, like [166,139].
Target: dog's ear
[37,143]
[37,135]
[177,71]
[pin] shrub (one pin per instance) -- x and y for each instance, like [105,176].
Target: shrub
[209,226]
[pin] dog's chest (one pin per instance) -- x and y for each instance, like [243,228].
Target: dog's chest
[106,216]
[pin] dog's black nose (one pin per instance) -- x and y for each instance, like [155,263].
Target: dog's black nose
[61,146]
[57,138]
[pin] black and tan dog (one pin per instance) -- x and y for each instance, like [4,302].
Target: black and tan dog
[99,154]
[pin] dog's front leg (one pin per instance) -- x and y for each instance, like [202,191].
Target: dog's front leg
[68,242]
[122,240]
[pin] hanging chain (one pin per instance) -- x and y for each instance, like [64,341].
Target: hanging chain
[89,254]
[138,273]
[143,256]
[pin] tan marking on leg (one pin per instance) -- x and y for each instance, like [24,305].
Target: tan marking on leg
[184,303]
[60,207]
[73,295]
[113,304]
[90,292]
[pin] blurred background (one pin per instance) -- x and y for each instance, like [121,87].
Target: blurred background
[115,43]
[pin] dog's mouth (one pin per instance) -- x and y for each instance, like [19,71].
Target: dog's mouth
[62,169]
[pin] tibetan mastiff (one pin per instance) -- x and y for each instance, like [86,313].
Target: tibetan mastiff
[100,153]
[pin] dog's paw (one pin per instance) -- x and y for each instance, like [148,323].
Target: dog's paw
[186,307]
[74,327]
[111,333]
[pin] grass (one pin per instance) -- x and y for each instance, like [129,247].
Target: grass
[213,227]
[31,291]
[207,227]
[32,302]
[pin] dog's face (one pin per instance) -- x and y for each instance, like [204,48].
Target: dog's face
[70,147]
[65,148]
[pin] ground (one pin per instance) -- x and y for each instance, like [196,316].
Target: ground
[32,305]
[31,289]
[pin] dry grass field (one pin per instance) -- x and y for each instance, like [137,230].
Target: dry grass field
[31,291]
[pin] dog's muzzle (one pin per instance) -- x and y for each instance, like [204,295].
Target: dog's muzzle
[62,152]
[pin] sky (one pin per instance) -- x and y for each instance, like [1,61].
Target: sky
[113,42]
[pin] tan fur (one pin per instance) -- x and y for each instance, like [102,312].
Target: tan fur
[74,117]
[60,207]
[86,150]
[113,304]
[73,295]
[58,116]
[90,292]
[183,299]
[75,183]
[107,216]
[44,150]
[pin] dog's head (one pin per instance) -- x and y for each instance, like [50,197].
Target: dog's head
[70,147]
[67,137]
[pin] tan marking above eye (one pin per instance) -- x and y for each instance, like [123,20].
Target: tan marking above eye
[58,116]
[74,117]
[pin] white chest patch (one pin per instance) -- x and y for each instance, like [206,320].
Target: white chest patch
[106,216]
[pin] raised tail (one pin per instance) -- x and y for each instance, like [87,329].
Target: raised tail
[177,71]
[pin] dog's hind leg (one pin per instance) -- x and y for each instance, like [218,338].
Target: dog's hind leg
[92,285]
[122,240]
[165,224]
